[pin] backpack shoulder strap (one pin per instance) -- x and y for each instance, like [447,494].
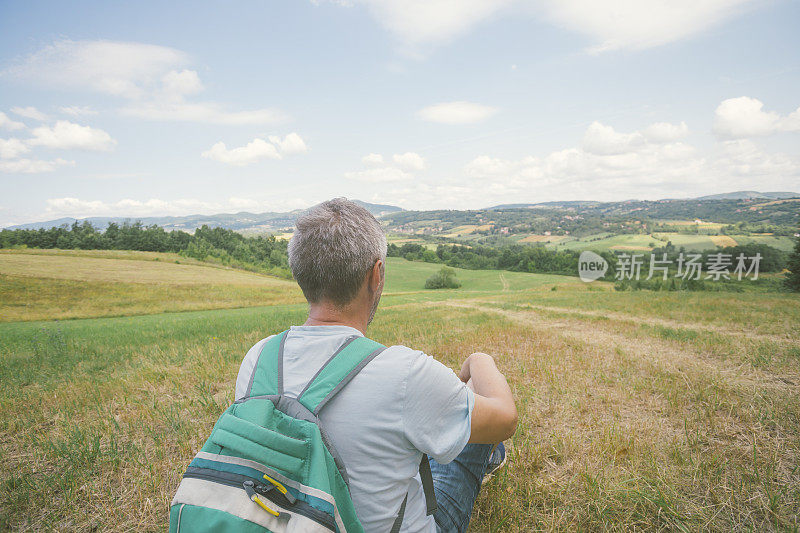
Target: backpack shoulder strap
[426,476]
[337,372]
[267,376]
[427,487]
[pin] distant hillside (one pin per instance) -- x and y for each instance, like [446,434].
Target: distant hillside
[737,195]
[562,205]
[744,195]
[243,221]
[560,223]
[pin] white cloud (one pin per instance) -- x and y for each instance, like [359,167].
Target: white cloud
[380,172]
[744,161]
[252,152]
[152,77]
[32,166]
[77,111]
[257,150]
[431,22]
[379,175]
[79,208]
[409,161]
[244,204]
[177,84]
[664,132]
[456,113]
[618,24]
[291,144]
[119,68]
[68,135]
[206,112]
[76,207]
[612,24]
[372,160]
[9,124]
[12,148]
[742,117]
[613,165]
[29,112]
[604,140]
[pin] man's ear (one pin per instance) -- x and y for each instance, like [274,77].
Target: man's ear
[376,274]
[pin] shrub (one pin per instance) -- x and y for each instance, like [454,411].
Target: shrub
[792,279]
[445,278]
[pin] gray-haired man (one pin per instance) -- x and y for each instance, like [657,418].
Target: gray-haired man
[403,403]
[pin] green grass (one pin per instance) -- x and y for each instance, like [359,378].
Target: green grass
[405,276]
[638,410]
[633,242]
[781,243]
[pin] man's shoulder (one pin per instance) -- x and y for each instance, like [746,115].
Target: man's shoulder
[402,353]
[411,362]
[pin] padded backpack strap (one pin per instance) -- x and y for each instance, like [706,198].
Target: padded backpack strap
[337,372]
[267,376]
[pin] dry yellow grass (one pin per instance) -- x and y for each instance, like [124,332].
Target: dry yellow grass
[84,284]
[543,238]
[82,268]
[630,248]
[459,231]
[723,240]
[774,202]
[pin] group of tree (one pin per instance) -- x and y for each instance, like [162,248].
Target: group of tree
[539,259]
[219,245]
[445,278]
[770,259]
[792,280]
[516,257]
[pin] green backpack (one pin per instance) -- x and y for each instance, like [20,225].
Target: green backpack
[268,465]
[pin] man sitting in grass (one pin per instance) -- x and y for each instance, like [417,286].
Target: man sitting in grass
[403,403]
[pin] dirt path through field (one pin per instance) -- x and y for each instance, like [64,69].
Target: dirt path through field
[645,349]
[504,281]
[652,321]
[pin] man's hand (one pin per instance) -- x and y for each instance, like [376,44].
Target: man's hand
[494,417]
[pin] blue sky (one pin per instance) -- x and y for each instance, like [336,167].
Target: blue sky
[155,108]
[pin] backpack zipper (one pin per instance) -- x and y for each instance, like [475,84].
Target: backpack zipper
[268,491]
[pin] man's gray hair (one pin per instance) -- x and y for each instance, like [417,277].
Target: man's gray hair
[333,247]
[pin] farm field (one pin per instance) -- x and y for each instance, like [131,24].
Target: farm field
[692,243]
[638,410]
[708,239]
[632,242]
[780,242]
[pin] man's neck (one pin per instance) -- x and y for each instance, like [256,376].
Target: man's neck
[325,314]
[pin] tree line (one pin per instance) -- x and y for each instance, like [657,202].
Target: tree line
[515,257]
[223,246]
[538,259]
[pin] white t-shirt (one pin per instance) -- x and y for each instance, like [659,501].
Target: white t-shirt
[403,403]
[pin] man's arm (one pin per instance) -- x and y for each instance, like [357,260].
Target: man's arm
[494,416]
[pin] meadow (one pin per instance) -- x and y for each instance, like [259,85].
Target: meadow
[638,410]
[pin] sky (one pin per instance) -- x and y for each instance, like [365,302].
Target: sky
[172,108]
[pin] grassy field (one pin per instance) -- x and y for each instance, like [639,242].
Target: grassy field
[638,410]
[633,242]
[62,284]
